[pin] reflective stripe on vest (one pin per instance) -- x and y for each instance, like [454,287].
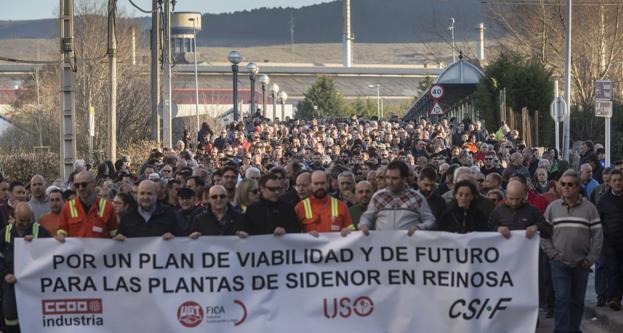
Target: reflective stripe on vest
[7,233]
[72,208]
[308,208]
[101,207]
[35,230]
[74,212]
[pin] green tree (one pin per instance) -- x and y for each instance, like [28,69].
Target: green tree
[528,85]
[324,95]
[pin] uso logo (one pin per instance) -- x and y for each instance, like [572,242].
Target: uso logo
[346,307]
[190,314]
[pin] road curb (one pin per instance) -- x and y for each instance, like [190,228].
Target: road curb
[607,318]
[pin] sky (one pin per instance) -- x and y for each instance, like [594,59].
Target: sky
[37,9]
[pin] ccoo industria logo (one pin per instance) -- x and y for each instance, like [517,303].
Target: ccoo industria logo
[72,312]
[190,314]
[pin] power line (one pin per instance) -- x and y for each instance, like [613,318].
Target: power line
[141,9]
[28,61]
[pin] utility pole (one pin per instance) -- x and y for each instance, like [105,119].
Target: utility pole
[68,111]
[155,70]
[112,63]
[451,28]
[167,140]
[567,121]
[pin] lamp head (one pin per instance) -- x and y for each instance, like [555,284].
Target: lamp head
[234,57]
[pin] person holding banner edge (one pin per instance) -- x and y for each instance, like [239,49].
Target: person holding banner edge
[23,227]
[574,247]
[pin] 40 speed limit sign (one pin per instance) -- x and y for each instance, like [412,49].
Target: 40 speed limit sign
[436,91]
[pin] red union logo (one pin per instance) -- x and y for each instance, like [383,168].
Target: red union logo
[190,314]
[345,307]
[71,306]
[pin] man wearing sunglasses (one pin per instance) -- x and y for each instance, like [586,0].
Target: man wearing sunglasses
[270,214]
[575,245]
[219,218]
[88,215]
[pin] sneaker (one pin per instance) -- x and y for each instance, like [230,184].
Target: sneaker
[615,305]
[601,302]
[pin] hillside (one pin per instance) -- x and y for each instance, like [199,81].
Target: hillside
[373,21]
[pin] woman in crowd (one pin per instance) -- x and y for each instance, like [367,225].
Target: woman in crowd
[246,194]
[462,216]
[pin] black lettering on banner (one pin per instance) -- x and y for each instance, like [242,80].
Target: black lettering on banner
[401,277]
[67,284]
[74,261]
[475,309]
[260,282]
[399,253]
[366,252]
[456,279]
[474,255]
[117,260]
[330,279]
[218,260]
[122,284]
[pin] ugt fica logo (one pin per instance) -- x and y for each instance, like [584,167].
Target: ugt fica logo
[190,314]
[345,307]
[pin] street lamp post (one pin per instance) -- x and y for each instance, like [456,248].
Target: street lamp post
[235,57]
[192,19]
[274,89]
[264,81]
[378,98]
[282,99]
[451,28]
[253,70]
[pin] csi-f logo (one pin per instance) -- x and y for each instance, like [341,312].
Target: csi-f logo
[477,308]
[190,314]
[345,307]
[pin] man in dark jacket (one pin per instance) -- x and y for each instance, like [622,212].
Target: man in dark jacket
[150,218]
[271,215]
[219,218]
[610,209]
[426,185]
[23,227]
[188,207]
[517,214]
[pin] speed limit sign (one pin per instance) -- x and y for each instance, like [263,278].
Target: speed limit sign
[436,91]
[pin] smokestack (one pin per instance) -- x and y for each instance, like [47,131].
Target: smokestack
[481,45]
[348,37]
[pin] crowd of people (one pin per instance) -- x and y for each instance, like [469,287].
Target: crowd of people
[339,175]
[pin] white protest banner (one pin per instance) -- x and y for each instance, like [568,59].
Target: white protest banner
[386,282]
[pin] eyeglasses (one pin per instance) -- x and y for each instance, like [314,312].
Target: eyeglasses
[166,171]
[79,185]
[220,196]
[273,189]
[488,159]
[564,184]
[253,191]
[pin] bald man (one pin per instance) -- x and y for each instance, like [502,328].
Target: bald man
[39,201]
[23,227]
[88,215]
[517,214]
[150,218]
[363,195]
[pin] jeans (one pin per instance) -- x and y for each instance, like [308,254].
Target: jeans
[601,277]
[569,290]
[614,263]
